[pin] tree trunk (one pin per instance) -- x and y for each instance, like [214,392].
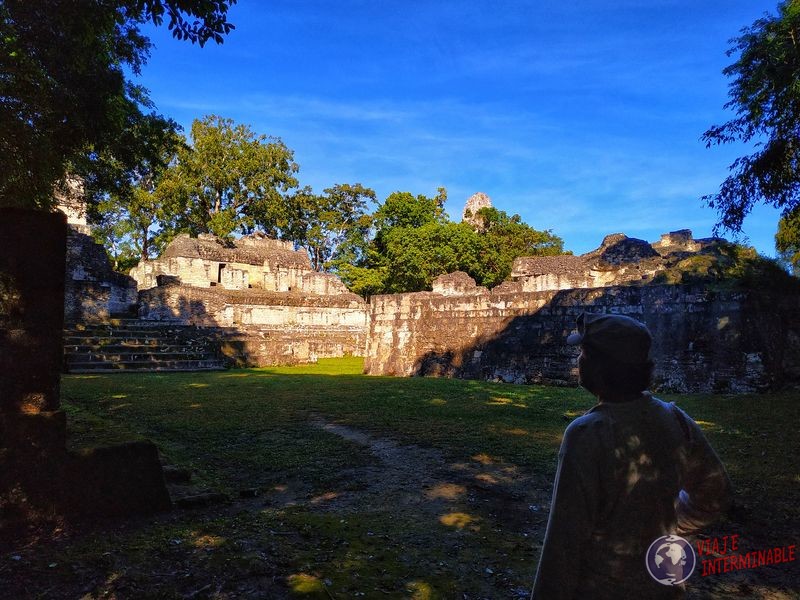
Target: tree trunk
[145,244]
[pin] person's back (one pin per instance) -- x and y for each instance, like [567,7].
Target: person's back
[630,471]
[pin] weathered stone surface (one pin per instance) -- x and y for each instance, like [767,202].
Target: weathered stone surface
[253,261]
[32,251]
[70,199]
[38,477]
[94,291]
[474,204]
[276,310]
[456,284]
[116,480]
[704,341]
[619,260]
[618,249]
[265,328]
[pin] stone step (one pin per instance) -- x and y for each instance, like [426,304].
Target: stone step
[160,348]
[147,366]
[134,323]
[94,357]
[137,343]
[125,345]
[135,332]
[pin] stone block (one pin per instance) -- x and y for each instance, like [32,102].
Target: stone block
[116,480]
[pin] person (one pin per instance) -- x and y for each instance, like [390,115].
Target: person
[630,470]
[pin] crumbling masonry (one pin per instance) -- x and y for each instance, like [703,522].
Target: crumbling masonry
[275,309]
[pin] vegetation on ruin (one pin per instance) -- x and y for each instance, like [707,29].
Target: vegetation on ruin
[66,105]
[764,92]
[729,266]
[414,242]
[227,180]
[335,517]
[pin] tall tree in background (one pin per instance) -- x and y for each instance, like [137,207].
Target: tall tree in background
[765,94]
[334,224]
[64,97]
[504,238]
[403,209]
[132,220]
[230,179]
[787,240]
[415,242]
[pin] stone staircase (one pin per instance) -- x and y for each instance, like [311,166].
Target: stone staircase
[131,345]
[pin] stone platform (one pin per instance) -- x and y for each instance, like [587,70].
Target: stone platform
[133,345]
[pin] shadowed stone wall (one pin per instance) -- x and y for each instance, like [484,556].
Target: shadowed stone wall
[94,291]
[704,340]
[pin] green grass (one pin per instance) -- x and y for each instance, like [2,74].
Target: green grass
[252,428]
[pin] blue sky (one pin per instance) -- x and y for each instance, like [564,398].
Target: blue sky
[583,117]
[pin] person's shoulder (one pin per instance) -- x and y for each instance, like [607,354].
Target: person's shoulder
[587,423]
[675,413]
[665,408]
[669,407]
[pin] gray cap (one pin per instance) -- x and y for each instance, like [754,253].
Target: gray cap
[616,336]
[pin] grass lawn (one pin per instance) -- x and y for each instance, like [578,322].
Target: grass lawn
[369,487]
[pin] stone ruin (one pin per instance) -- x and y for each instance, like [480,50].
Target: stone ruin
[275,307]
[474,204]
[705,339]
[39,476]
[252,262]
[93,290]
[619,260]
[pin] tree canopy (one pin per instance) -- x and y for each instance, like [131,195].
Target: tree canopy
[765,95]
[414,242]
[227,178]
[65,103]
[134,220]
[333,225]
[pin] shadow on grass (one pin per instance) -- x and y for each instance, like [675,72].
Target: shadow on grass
[306,534]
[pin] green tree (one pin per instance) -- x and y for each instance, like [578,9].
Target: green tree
[331,225]
[505,238]
[414,242]
[231,179]
[133,220]
[64,97]
[415,256]
[113,231]
[345,223]
[403,209]
[765,95]
[787,240]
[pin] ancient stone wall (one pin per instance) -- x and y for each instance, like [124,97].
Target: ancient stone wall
[39,477]
[94,291]
[265,328]
[251,262]
[619,260]
[705,341]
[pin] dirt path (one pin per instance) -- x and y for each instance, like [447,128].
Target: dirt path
[408,516]
[425,479]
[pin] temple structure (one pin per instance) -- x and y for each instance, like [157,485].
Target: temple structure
[275,307]
[261,300]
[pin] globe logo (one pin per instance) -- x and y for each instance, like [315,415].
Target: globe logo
[670,560]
